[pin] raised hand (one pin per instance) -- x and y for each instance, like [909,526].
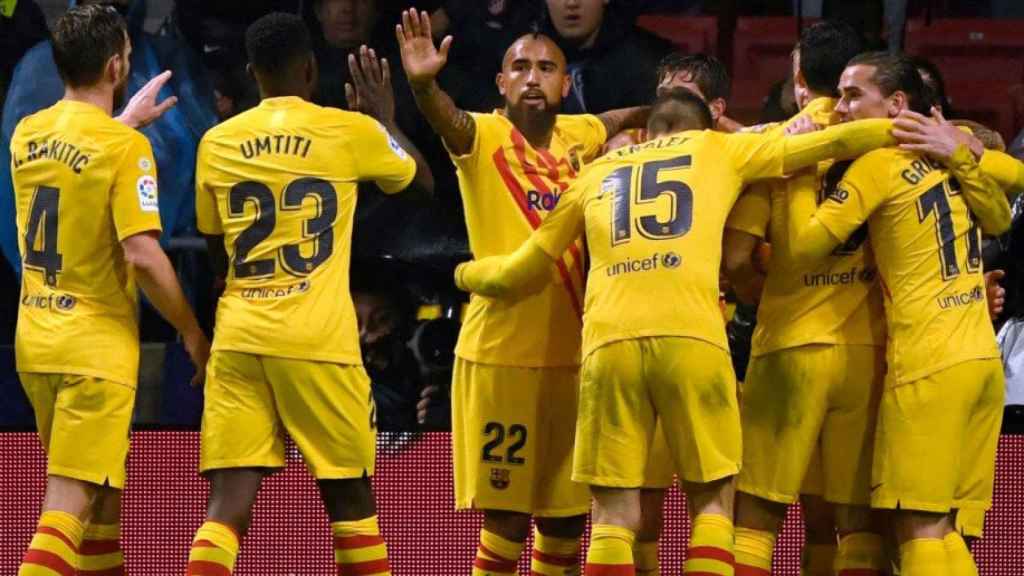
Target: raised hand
[420,58]
[143,109]
[370,91]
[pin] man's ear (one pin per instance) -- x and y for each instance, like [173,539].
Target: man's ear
[566,85]
[717,107]
[897,102]
[499,80]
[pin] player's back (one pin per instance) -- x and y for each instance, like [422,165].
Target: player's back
[82,183]
[928,250]
[280,183]
[654,215]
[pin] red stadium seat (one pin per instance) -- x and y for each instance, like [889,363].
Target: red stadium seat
[688,34]
[970,49]
[761,58]
[988,103]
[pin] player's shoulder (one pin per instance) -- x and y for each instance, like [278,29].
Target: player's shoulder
[881,159]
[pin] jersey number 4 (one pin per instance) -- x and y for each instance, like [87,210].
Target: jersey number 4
[43,219]
[936,201]
[619,183]
[320,228]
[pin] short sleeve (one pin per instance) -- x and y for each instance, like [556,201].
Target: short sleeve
[586,130]
[207,217]
[380,158]
[134,198]
[849,205]
[752,211]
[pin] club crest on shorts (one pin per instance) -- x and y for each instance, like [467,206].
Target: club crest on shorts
[500,478]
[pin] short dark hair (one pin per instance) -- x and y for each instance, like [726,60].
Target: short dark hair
[896,72]
[84,39]
[276,42]
[935,84]
[825,48]
[679,105]
[706,71]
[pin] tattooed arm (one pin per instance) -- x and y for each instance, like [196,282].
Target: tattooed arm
[422,62]
[616,121]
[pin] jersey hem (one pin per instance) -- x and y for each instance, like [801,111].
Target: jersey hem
[756,352]
[347,359]
[590,348]
[135,230]
[498,361]
[917,375]
[76,371]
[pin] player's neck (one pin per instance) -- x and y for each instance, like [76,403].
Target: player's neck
[811,97]
[102,98]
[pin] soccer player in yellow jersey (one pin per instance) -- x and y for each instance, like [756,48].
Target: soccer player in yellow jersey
[811,391]
[653,216]
[277,186]
[515,385]
[88,224]
[941,407]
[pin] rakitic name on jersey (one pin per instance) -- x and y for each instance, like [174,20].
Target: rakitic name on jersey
[276,144]
[64,152]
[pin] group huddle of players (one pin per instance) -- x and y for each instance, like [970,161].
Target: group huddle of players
[592,366]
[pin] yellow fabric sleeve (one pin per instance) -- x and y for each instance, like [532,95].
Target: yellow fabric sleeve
[1005,170]
[983,194]
[207,217]
[840,142]
[525,271]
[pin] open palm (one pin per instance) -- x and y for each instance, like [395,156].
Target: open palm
[420,58]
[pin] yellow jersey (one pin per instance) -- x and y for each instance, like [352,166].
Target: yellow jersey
[836,300]
[82,183]
[928,250]
[508,187]
[279,183]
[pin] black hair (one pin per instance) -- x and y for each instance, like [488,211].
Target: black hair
[706,71]
[825,48]
[679,105]
[896,72]
[84,39]
[276,42]
[935,84]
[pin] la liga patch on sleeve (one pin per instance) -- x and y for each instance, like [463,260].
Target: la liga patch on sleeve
[146,188]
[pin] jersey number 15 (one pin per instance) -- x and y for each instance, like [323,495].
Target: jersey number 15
[619,183]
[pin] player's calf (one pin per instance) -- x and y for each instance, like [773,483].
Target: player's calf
[757,525]
[616,519]
[711,549]
[645,550]
[351,508]
[921,539]
[54,547]
[100,552]
[501,542]
[556,546]
[216,543]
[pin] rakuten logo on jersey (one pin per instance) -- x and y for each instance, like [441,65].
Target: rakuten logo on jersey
[542,201]
[667,260]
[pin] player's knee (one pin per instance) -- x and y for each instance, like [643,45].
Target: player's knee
[911,524]
[514,526]
[618,507]
[851,519]
[106,509]
[652,503]
[570,527]
[232,494]
[348,499]
[76,497]
[759,514]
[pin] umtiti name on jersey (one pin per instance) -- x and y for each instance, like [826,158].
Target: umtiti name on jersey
[58,150]
[276,144]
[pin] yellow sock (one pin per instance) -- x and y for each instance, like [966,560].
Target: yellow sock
[754,552]
[818,559]
[496,556]
[54,547]
[645,558]
[554,556]
[214,550]
[711,546]
[611,551]
[860,554]
[958,557]
[924,557]
[359,548]
[100,553]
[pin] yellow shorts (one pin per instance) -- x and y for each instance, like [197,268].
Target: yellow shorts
[512,438]
[83,424]
[251,401]
[937,437]
[796,398]
[627,386]
[660,469]
[970,522]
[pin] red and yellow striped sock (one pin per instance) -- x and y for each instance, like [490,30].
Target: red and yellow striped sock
[100,553]
[711,547]
[645,558]
[496,556]
[54,548]
[958,556]
[214,550]
[554,556]
[610,552]
[924,556]
[860,554]
[754,552]
[359,549]
[818,559]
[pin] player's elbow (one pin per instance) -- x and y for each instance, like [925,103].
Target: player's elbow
[996,224]
[142,252]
